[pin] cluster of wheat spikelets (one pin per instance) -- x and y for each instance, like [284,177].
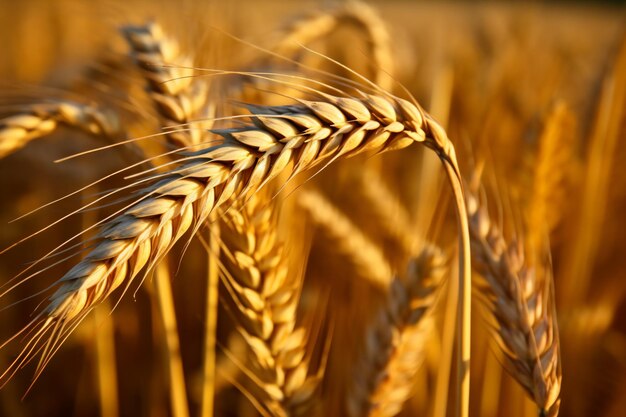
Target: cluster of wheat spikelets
[300,236]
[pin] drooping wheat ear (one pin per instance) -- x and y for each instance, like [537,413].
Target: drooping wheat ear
[38,120]
[283,139]
[361,15]
[394,345]
[178,97]
[366,256]
[266,295]
[520,298]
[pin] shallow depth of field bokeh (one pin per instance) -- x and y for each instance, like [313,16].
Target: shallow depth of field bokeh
[533,97]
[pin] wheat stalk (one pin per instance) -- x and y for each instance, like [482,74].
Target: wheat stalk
[265,293]
[41,119]
[520,299]
[394,345]
[165,303]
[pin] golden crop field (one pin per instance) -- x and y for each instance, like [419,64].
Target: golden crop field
[290,208]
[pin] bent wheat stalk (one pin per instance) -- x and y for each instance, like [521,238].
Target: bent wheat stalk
[521,301]
[280,139]
[41,119]
[394,342]
[265,293]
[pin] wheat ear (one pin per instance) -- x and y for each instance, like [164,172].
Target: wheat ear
[306,30]
[395,340]
[520,298]
[177,95]
[41,119]
[366,256]
[266,294]
[281,139]
[554,158]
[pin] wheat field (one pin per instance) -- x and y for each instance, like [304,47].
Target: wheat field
[290,208]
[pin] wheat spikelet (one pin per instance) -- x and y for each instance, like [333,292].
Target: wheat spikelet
[394,345]
[359,14]
[38,120]
[280,139]
[521,300]
[351,241]
[266,294]
[177,96]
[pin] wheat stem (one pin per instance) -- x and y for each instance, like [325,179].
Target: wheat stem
[106,364]
[178,394]
[465,292]
[210,335]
